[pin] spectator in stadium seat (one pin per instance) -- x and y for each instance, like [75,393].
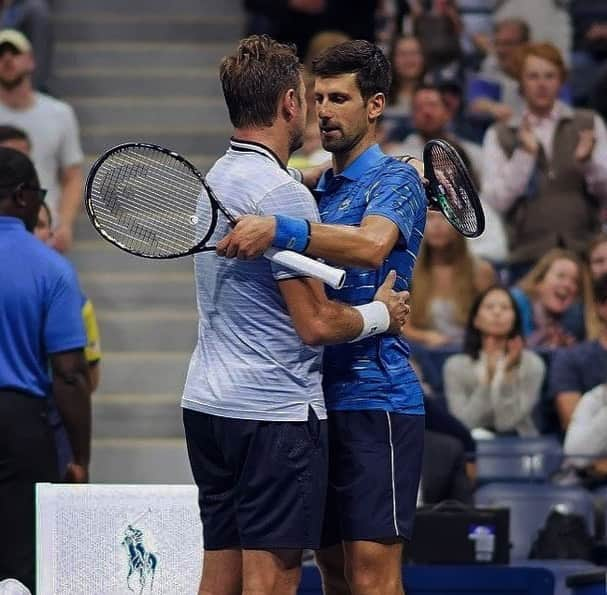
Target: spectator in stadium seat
[580,368]
[597,256]
[40,320]
[52,128]
[446,280]
[438,29]
[33,19]
[555,301]
[494,92]
[408,69]
[495,384]
[432,119]
[539,168]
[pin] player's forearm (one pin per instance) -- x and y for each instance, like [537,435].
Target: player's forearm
[71,195]
[346,245]
[334,323]
[72,395]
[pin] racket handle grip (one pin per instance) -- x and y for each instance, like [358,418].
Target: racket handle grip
[307,266]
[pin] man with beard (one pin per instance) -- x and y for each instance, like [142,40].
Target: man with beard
[373,209]
[52,127]
[254,415]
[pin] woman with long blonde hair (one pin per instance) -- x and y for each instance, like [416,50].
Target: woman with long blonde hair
[555,299]
[446,281]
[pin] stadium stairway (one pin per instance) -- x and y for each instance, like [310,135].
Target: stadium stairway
[142,70]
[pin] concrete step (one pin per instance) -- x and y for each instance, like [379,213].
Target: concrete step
[143,289]
[99,256]
[124,56]
[182,111]
[142,7]
[154,330]
[143,372]
[169,27]
[106,81]
[135,461]
[137,416]
[185,140]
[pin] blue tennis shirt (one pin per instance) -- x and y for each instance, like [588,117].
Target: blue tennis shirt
[374,373]
[40,309]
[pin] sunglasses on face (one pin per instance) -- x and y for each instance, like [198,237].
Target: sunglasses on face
[39,193]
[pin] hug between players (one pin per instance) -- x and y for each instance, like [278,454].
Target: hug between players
[320,420]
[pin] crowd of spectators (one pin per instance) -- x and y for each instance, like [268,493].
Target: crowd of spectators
[517,315]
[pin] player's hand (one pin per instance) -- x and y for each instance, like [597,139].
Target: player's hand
[77,473]
[418,164]
[249,239]
[527,139]
[62,238]
[396,302]
[585,145]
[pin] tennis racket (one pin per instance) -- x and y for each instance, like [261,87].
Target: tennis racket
[152,202]
[450,189]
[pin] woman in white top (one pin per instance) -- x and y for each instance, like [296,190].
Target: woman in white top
[495,384]
[587,431]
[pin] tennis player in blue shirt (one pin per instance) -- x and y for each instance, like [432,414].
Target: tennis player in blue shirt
[373,212]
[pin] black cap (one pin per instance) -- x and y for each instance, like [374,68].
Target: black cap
[15,168]
[599,288]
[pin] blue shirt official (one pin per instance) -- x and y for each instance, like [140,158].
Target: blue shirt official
[374,373]
[40,309]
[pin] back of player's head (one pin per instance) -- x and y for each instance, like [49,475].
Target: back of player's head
[255,78]
[367,61]
[16,169]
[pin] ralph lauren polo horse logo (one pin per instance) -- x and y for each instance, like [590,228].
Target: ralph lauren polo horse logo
[141,562]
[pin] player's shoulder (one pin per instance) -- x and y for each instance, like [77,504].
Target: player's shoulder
[392,169]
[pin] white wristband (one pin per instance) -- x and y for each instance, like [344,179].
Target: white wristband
[376,319]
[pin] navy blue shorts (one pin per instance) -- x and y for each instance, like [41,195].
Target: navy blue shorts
[261,484]
[375,460]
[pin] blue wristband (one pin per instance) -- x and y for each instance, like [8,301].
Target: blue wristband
[291,233]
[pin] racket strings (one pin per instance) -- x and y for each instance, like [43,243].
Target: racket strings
[457,190]
[150,202]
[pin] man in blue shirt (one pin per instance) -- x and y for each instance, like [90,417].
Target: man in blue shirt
[39,321]
[373,212]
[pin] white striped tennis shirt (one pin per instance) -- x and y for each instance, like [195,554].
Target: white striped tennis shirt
[249,363]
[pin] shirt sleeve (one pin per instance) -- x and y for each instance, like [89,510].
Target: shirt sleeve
[64,329]
[587,431]
[564,376]
[292,199]
[92,351]
[504,180]
[399,196]
[70,150]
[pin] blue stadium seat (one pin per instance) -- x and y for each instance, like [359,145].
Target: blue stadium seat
[530,504]
[518,459]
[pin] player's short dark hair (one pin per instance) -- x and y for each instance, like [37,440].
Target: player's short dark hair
[15,168]
[255,78]
[373,72]
[8,132]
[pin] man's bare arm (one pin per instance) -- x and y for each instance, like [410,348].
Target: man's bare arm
[365,246]
[72,182]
